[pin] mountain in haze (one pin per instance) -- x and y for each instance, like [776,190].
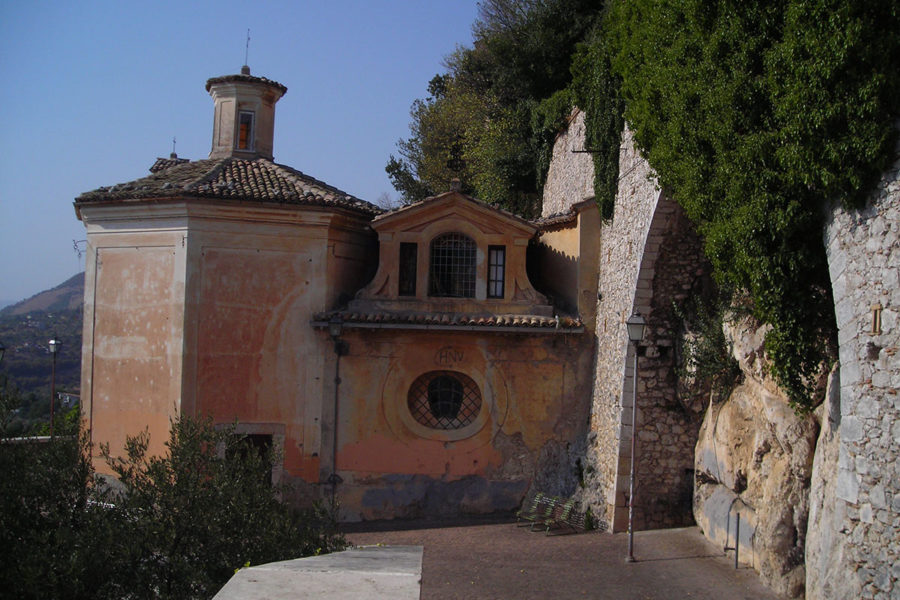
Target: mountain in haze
[69,295]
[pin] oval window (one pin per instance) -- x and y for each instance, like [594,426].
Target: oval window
[444,400]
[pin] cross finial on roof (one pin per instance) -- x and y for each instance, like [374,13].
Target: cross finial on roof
[245,70]
[173,155]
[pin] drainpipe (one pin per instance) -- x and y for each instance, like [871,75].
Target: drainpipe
[335,327]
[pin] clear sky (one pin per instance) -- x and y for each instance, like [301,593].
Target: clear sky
[93,92]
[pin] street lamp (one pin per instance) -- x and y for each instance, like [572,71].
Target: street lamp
[54,349]
[635,326]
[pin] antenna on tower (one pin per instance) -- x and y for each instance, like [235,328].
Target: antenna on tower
[247,48]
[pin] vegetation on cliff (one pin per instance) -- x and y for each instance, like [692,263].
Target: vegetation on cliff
[491,119]
[756,117]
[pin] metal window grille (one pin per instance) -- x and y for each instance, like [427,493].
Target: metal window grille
[496,271]
[452,272]
[444,400]
[408,271]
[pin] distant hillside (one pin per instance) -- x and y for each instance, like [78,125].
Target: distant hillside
[68,295]
[25,329]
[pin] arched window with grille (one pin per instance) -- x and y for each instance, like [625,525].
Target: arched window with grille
[452,266]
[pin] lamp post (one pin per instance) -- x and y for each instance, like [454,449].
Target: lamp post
[635,326]
[54,349]
[335,328]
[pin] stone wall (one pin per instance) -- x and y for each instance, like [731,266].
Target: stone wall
[650,258]
[669,414]
[621,250]
[863,249]
[570,178]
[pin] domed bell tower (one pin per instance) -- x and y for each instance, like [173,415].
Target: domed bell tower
[244,121]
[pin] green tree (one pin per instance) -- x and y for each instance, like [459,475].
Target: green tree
[203,510]
[488,109]
[55,540]
[177,527]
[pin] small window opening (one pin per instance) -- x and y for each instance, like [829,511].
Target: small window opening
[408,270]
[259,447]
[245,131]
[496,271]
[452,273]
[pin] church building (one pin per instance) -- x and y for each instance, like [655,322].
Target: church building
[427,361]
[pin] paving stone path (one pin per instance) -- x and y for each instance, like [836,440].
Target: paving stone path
[502,561]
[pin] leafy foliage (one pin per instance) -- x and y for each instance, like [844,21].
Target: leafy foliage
[705,357]
[178,528]
[54,542]
[596,90]
[203,510]
[499,106]
[757,116]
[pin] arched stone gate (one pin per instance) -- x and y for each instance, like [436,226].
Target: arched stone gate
[650,260]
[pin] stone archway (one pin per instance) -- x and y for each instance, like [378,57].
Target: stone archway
[650,258]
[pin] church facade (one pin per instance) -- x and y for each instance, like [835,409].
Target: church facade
[431,360]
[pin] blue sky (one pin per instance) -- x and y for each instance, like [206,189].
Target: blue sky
[93,92]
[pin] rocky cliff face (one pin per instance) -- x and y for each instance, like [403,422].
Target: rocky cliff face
[754,457]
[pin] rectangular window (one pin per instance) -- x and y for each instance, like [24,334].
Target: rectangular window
[245,131]
[407,279]
[496,271]
[257,445]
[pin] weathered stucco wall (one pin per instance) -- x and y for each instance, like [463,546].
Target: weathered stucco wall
[133,323]
[534,398]
[863,249]
[204,309]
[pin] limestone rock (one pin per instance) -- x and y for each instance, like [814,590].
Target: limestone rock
[754,457]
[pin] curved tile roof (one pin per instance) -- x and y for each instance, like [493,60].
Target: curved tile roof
[245,78]
[256,180]
[378,319]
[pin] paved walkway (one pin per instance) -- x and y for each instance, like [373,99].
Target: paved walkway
[502,561]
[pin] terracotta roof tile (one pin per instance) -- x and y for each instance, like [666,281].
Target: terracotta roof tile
[380,319]
[256,180]
[557,220]
[243,78]
[162,164]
